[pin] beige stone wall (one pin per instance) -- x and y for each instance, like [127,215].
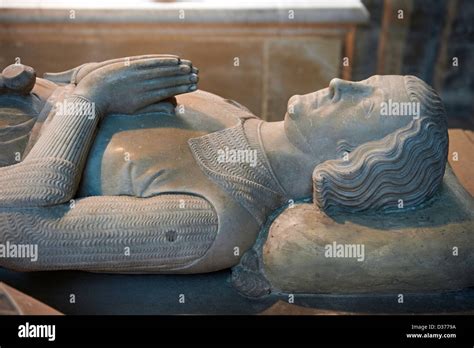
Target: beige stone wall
[276,61]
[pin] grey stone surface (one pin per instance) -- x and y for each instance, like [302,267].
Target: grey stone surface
[304,11]
[405,252]
[153,189]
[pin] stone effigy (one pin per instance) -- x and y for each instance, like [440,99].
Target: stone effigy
[123,166]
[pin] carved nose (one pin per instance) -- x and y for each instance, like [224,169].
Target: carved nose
[341,85]
[336,87]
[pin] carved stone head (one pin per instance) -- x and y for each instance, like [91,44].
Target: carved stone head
[382,143]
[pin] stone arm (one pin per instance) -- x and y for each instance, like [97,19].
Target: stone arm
[114,234]
[111,234]
[51,172]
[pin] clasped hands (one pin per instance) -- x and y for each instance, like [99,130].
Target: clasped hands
[130,85]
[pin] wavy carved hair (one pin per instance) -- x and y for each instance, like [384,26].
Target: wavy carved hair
[407,164]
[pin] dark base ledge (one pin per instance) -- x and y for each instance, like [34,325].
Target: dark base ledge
[211,294]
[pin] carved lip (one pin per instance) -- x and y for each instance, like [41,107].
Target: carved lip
[314,100]
[292,102]
[321,96]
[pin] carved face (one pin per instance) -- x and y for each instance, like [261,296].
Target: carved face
[349,112]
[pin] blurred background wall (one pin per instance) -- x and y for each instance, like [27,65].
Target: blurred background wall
[258,53]
[434,41]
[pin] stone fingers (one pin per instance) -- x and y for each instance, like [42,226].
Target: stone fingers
[182,69]
[164,59]
[170,81]
[154,62]
[157,95]
[190,64]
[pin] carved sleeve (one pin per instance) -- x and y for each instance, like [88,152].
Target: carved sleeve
[110,234]
[51,171]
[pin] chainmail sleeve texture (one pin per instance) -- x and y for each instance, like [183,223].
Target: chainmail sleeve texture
[51,171]
[253,185]
[108,233]
[112,234]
